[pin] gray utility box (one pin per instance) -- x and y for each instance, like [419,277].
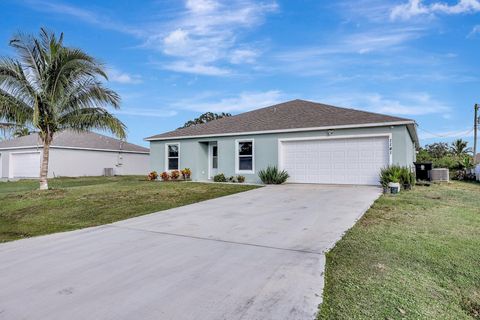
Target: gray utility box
[439,174]
[108,172]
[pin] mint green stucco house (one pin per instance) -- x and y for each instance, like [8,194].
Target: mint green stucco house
[313,142]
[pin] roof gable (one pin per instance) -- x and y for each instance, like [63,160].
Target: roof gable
[295,114]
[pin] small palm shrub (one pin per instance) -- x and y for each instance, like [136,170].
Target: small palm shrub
[220,178]
[165,176]
[152,176]
[240,179]
[271,175]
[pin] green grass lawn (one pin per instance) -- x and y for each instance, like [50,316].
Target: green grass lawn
[415,255]
[75,203]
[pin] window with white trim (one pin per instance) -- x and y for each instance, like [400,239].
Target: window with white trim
[245,156]
[173,156]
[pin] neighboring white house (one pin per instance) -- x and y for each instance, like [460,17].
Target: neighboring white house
[72,154]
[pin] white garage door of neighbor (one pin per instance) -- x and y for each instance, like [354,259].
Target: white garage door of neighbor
[335,161]
[25,165]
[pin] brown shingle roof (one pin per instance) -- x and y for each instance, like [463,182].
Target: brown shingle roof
[295,114]
[70,139]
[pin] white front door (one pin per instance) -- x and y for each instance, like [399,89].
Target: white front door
[25,165]
[213,159]
[336,161]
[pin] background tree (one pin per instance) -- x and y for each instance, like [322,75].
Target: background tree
[204,118]
[438,149]
[459,148]
[51,88]
[21,132]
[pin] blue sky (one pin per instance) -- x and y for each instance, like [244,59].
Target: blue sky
[172,60]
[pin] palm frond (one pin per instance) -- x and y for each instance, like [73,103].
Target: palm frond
[89,94]
[14,110]
[29,54]
[14,80]
[92,119]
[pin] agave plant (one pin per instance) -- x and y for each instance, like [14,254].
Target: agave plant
[51,88]
[402,175]
[271,175]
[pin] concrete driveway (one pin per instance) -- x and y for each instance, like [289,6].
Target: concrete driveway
[253,255]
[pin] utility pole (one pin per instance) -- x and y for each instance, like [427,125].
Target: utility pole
[475,130]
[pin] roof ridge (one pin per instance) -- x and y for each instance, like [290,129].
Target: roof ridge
[74,139]
[295,114]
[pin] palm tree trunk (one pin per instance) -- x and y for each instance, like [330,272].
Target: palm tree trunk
[44,165]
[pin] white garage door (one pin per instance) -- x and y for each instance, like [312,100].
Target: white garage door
[335,161]
[25,165]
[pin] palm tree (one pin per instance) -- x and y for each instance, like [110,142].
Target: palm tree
[459,148]
[52,88]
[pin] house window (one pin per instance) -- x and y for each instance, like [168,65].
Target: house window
[173,152]
[214,157]
[245,156]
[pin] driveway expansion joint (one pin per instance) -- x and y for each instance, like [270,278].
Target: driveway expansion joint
[215,240]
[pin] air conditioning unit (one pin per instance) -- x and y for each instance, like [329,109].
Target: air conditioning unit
[439,174]
[108,172]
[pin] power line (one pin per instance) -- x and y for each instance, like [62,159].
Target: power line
[449,135]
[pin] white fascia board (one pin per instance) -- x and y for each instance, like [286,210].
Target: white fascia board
[349,126]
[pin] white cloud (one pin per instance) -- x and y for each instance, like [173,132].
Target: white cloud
[416,8]
[243,102]
[116,75]
[411,104]
[82,14]
[199,39]
[359,10]
[379,41]
[333,58]
[196,68]
[360,42]
[475,31]
[462,6]
[201,5]
[407,10]
[206,33]
[239,56]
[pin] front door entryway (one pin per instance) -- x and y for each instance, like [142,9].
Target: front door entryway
[213,159]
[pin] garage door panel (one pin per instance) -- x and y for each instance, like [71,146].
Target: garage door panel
[338,161]
[25,165]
